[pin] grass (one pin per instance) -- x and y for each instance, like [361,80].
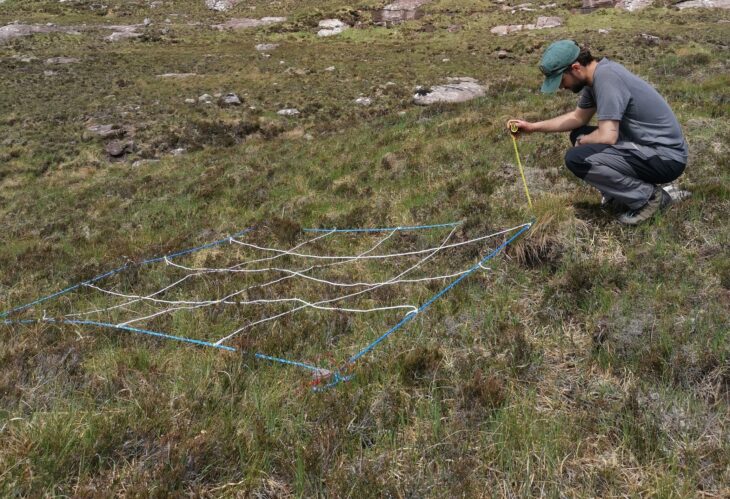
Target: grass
[591,361]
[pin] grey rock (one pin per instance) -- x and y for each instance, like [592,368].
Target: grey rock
[589,5]
[246,23]
[542,22]
[107,131]
[266,47]
[457,90]
[406,4]
[676,193]
[117,148]
[704,4]
[633,5]
[17,30]
[288,112]
[62,60]
[221,5]
[363,101]
[205,99]
[118,36]
[229,99]
[176,75]
[331,27]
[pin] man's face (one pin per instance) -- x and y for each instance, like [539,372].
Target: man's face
[572,80]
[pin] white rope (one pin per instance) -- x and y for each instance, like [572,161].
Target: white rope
[325,305]
[419,263]
[223,300]
[391,255]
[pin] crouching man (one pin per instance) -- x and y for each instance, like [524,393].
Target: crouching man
[638,142]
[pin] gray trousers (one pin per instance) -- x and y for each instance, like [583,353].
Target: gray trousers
[621,174]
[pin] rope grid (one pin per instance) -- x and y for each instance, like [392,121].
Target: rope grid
[132,310]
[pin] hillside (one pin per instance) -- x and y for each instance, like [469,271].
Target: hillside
[585,359]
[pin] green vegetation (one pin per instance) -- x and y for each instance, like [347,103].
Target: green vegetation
[594,359]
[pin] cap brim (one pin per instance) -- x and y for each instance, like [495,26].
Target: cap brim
[551,83]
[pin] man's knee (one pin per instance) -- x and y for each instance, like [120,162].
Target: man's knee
[575,160]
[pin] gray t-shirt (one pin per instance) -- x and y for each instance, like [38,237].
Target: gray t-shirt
[646,123]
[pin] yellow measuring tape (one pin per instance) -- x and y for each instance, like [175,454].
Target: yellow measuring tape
[514,129]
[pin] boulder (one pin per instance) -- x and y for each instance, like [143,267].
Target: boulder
[229,99]
[221,5]
[117,148]
[330,27]
[633,5]
[457,90]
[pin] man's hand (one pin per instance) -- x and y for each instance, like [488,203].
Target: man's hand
[520,126]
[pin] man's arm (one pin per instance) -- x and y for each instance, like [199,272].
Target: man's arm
[607,133]
[568,121]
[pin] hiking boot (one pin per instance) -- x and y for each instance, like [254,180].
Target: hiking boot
[658,201]
[611,204]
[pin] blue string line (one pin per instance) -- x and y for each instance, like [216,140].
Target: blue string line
[125,328]
[288,362]
[386,229]
[117,270]
[423,307]
[165,336]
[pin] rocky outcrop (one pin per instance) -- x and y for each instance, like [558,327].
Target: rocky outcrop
[707,4]
[17,30]
[246,23]
[541,23]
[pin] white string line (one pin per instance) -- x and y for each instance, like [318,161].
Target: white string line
[136,297]
[222,300]
[416,265]
[391,255]
[283,253]
[198,273]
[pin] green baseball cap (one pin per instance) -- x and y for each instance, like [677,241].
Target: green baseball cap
[555,60]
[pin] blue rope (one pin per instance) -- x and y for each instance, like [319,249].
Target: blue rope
[288,362]
[386,229]
[125,328]
[162,335]
[117,270]
[423,307]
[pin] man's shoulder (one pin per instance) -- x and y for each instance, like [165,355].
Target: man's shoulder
[608,67]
